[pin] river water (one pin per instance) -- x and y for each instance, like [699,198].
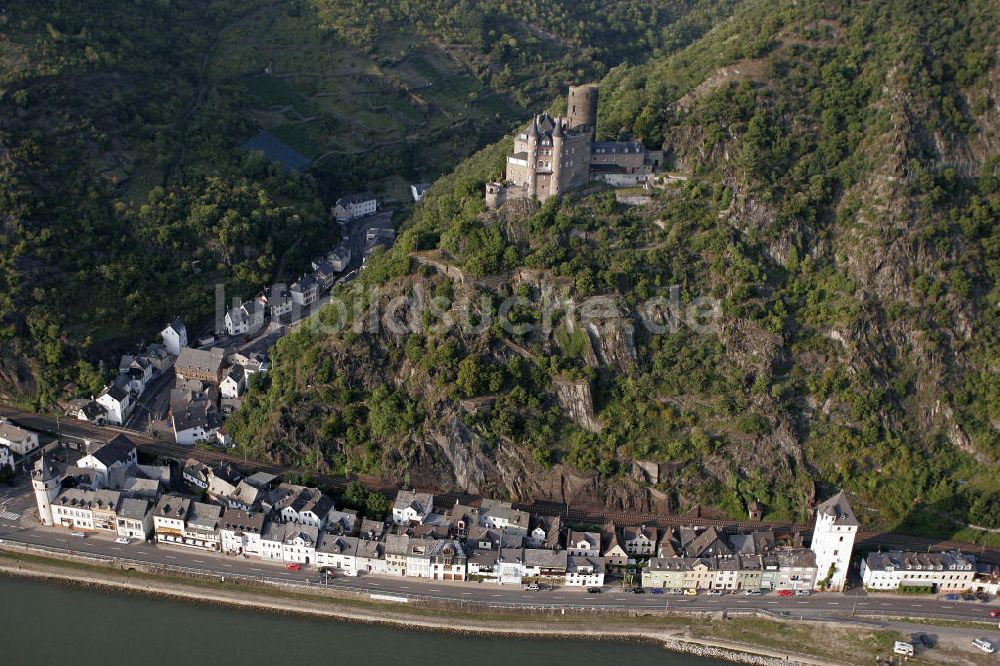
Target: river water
[45,623]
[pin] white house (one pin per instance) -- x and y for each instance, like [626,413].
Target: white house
[584,572]
[938,572]
[119,452]
[300,505]
[246,319]
[86,510]
[117,402]
[833,542]
[304,291]
[272,541]
[496,513]
[234,383]
[169,518]
[6,458]
[339,552]
[639,541]
[135,518]
[353,206]
[239,532]
[418,190]
[194,416]
[92,412]
[299,544]
[411,507]
[175,337]
[584,544]
[340,257]
[19,440]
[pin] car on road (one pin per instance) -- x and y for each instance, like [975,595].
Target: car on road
[293,567]
[690,592]
[951,597]
[638,590]
[983,597]
[715,593]
[122,540]
[676,590]
[532,587]
[803,593]
[752,593]
[995,612]
[79,535]
[785,593]
[984,645]
[656,590]
[593,590]
[966,596]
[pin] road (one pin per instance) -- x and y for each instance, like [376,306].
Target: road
[817,606]
[73,430]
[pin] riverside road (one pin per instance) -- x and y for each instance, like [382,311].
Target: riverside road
[17,527]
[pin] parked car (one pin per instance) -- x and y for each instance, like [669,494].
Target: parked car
[79,535]
[690,592]
[532,587]
[966,596]
[984,645]
[638,590]
[656,590]
[803,593]
[752,593]
[983,597]
[122,540]
[676,590]
[293,567]
[785,593]
[952,597]
[593,590]
[903,648]
[715,593]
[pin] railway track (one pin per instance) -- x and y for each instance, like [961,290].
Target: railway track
[67,427]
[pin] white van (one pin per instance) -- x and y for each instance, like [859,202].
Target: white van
[903,648]
[984,645]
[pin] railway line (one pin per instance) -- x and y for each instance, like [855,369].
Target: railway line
[67,428]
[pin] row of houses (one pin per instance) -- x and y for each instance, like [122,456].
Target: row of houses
[493,542]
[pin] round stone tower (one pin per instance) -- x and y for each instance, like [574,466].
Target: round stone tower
[555,186]
[581,105]
[533,137]
[46,487]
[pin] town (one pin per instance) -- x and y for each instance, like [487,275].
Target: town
[106,491]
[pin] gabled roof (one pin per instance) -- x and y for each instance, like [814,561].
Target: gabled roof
[118,450]
[709,542]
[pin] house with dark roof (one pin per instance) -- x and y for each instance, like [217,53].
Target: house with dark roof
[119,452]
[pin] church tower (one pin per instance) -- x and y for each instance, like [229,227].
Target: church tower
[46,487]
[833,542]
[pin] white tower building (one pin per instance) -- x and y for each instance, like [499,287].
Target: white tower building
[833,542]
[46,485]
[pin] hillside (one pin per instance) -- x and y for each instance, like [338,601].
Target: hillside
[841,208]
[124,196]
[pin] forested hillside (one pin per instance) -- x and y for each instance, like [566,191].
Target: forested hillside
[841,204]
[124,197]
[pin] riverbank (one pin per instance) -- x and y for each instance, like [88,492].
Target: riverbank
[677,634]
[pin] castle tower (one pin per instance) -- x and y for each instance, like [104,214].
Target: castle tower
[533,136]
[557,157]
[46,487]
[833,542]
[581,105]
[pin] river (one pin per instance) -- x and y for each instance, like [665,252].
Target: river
[45,623]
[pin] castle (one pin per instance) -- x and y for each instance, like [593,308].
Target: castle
[554,155]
